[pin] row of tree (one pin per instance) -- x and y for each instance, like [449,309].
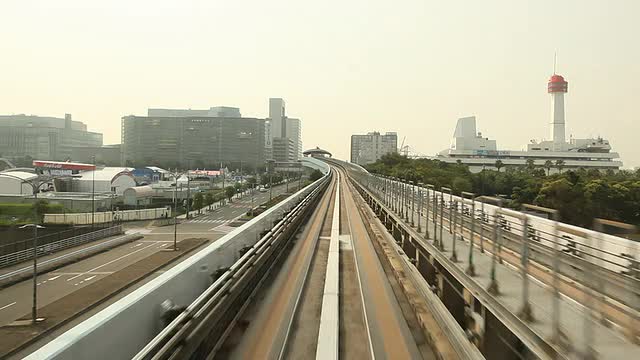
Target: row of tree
[578,195]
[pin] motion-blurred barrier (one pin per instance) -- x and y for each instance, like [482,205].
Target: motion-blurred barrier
[135,320]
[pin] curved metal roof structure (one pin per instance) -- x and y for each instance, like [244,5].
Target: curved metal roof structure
[316,152]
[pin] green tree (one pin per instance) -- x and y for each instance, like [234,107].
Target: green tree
[40,207]
[531,165]
[229,191]
[560,165]
[548,165]
[315,175]
[498,164]
[198,201]
[208,199]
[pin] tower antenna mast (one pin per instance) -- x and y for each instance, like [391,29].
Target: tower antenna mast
[555,62]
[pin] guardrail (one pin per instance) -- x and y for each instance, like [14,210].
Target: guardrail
[201,328]
[521,234]
[134,320]
[24,255]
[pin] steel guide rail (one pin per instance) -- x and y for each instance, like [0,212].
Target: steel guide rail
[202,327]
[529,337]
[623,287]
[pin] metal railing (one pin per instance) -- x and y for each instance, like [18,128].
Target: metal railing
[199,330]
[605,273]
[27,254]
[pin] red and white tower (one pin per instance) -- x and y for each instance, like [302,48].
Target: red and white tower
[557,87]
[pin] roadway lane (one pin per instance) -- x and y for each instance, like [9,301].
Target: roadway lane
[67,279]
[15,301]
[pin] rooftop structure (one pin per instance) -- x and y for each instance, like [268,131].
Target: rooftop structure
[478,152]
[215,111]
[109,179]
[317,152]
[14,182]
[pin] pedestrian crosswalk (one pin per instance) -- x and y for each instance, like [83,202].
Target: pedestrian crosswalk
[209,221]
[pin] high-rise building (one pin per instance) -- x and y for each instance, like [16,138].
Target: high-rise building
[43,137]
[284,150]
[294,132]
[192,141]
[282,126]
[366,149]
[277,115]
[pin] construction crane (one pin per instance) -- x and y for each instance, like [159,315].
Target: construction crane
[404,149]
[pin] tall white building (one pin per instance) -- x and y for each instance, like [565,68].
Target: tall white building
[294,132]
[366,149]
[283,127]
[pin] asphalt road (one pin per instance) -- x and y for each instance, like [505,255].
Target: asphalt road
[16,300]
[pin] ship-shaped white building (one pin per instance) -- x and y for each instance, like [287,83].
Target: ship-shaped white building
[472,149]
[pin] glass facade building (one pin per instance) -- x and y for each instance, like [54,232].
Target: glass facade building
[193,141]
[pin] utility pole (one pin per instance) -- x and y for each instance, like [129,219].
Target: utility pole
[93,192]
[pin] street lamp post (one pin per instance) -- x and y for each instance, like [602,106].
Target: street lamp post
[452,221]
[441,242]
[493,286]
[270,169]
[420,195]
[413,202]
[35,186]
[175,175]
[429,186]
[471,270]
[93,192]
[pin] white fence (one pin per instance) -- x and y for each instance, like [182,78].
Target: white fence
[104,217]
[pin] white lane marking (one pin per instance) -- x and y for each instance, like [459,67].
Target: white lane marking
[53,278]
[85,273]
[90,277]
[6,306]
[112,261]
[136,245]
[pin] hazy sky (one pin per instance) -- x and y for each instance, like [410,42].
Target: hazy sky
[343,67]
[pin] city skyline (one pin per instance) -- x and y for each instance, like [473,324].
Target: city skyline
[412,69]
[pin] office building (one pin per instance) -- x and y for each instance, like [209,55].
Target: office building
[43,137]
[284,150]
[366,149]
[193,141]
[283,127]
[294,132]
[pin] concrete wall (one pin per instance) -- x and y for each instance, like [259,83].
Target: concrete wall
[134,320]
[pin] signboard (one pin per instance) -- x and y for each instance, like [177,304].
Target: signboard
[57,172]
[61,165]
[205,172]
